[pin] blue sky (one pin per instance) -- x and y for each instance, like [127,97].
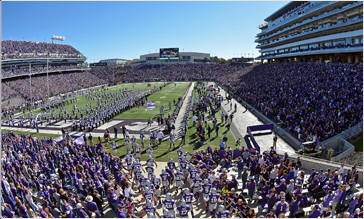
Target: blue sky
[103,30]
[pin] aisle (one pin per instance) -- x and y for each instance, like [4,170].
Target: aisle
[244,118]
[184,108]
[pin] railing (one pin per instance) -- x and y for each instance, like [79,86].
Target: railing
[291,19]
[333,26]
[346,166]
[312,50]
[45,71]
[15,57]
[285,16]
[310,20]
[352,131]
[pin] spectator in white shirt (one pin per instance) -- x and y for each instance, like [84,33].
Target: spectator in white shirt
[6,185]
[29,198]
[341,169]
[129,192]
[160,136]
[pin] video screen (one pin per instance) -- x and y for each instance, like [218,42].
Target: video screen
[169,52]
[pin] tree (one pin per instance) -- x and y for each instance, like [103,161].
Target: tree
[205,59]
[222,61]
[86,64]
[215,59]
[229,60]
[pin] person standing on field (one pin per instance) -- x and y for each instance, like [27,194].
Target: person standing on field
[275,138]
[116,132]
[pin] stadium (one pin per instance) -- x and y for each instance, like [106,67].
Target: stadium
[171,135]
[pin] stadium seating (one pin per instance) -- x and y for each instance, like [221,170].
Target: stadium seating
[25,71]
[12,49]
[58,83]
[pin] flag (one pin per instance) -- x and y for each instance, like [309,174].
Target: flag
[44,39]
[245,54]
[23,38]
[34,37]
[11,37]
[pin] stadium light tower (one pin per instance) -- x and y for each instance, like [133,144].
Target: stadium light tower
[30,83]
[60,38]
[47,79]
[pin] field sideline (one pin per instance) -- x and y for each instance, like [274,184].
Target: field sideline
[160,97]
[162,152]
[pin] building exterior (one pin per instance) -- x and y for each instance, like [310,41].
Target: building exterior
[153,58]
[114,61]
[313,31]
[242,60]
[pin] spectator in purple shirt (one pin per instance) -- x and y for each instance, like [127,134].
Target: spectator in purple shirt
[251,188]
[316,211]
[355,214]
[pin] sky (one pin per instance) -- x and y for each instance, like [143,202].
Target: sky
[102,30]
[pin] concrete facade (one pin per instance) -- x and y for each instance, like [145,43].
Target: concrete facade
[313,31]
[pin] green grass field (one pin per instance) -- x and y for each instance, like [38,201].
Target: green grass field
[162,153]
[162,97]
[136,86]
[358,145]
[167,94]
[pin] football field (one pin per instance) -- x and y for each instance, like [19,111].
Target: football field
[161,97]
[135,120]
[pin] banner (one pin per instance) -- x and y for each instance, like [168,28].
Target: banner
[80,140]
[60,138]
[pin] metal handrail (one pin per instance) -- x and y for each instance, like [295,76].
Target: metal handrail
[312,31]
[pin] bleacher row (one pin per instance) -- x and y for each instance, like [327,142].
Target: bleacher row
[12,49]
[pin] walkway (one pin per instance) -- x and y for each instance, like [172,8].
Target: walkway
[179,119]
[244,118]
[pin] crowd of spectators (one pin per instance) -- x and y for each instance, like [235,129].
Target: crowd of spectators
[323,47]
[104,72]
[178,72]
[39,69]
[297,95]
[11,49]
[7,92]
[58,83]
[44,178]
[314,100]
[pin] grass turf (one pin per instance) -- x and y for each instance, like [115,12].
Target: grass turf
[167,94]
[160,98]
[162,152]
[358,145]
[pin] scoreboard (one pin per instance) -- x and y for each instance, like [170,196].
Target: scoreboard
[168,53]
